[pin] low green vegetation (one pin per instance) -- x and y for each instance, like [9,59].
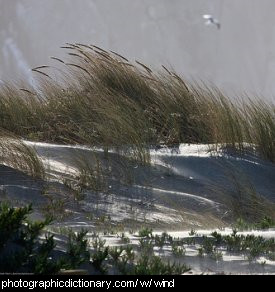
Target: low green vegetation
[25,248]
[145,232]
[250,245]
[265,223]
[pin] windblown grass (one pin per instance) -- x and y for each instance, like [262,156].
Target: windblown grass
[101,99]
[14,153]
[241,196]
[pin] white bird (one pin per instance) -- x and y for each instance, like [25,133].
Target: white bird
[210,20]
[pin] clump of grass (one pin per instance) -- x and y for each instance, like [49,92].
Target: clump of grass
[16,154]
[55,208]
[241,196]
[102,99]
[91,174]
[261,117]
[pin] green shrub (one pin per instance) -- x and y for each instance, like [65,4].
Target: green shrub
[265,223]
[145,232]
[22,249]
[99,255]
[156,266]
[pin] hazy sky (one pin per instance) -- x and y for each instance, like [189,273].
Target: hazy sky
[240,56]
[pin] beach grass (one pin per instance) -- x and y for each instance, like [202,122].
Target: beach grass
[101,99]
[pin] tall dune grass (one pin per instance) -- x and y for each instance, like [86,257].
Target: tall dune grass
[102,99]
[14,153]
[241,196]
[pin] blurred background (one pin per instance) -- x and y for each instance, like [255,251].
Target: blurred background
[239,57]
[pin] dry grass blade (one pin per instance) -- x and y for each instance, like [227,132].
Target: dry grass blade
[104,55]
[120,56]
[78,56]
[79,67]
[73,45]
[57,59]
[166,69]
[40,67]
[145,67]
[126,64]
[84,46]
[100,49]
[180,80]
[42,73]
[27,91]
[86,55]
[68,47]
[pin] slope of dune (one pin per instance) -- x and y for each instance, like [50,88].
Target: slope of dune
[185,187]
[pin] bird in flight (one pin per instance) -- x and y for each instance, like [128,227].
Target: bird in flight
[210,20]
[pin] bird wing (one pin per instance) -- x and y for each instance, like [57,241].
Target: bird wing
[207,16]
[216,22]
[208,22]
